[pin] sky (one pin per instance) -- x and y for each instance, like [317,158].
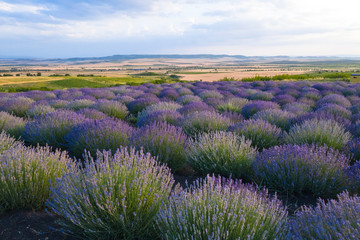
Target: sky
[93,28]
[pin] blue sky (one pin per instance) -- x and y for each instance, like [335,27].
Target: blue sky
[86,28]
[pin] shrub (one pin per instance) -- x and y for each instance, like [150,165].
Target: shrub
[281,119]
[334,109]
[139,104]
[335,219]
[7,142]
[297,108]
[113,197]
[204,121]
[210,94]
[233,116]
[222,153]
[173,106]
[195,107]
[336,99]
[265,96]
[295,169]
[169,93]
[253,107]
[168,143]
[232,105]
[26,174]
[38,110]
[184,91]
[93,135]
[320,132]
[188,98]
[92,113]
[124,99]
[168,116]
[261,133]
[216,208]
[17,106]
[283,99]
[79,104]
[112,108]
[323,115]
[52,128]
[11,124]
[58,103]
[353,148]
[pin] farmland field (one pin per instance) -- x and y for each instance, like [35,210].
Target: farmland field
[290,143]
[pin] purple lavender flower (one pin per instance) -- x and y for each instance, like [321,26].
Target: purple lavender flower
[283,99]
[119,194]
[11,124]
[335,219]
[195,107]
[261,133]
[215,208]
[295,169]
[168,143]
[336,99]
[93,135]
[253,107]
[112,108]
[52,128]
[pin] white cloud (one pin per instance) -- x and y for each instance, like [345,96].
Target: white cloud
[21,8]
[232,26]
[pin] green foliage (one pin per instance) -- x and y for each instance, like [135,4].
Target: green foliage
[320,132]
[113,197]
[26,175]
[223,153]
[216,208]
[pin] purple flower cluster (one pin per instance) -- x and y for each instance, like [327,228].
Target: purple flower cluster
[295,169]
[261,133]
[167,143]
[94,135]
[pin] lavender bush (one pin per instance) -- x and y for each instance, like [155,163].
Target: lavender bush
[216,208]
[195,107]
[26,175]
[38,110]
[11,124]
[223,153]
[76,105]
[294,169]
[277,117]
[204,121]
[139,104]
[253,107]
[261,133]
[232,105]
[52,128]
[93,135]
[328,132]
[112,108]
[167,143]
[336,99]
[334,219]
[92,113]
[7,142]
[17,106]
[113,197]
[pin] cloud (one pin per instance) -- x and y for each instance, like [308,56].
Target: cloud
[232,26]
[21,8]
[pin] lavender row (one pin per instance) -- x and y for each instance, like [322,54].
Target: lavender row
[130,195]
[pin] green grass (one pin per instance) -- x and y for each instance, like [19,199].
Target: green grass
[315,76]
[81,82]
[196,72]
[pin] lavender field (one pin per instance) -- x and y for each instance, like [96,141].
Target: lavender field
[272,160]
